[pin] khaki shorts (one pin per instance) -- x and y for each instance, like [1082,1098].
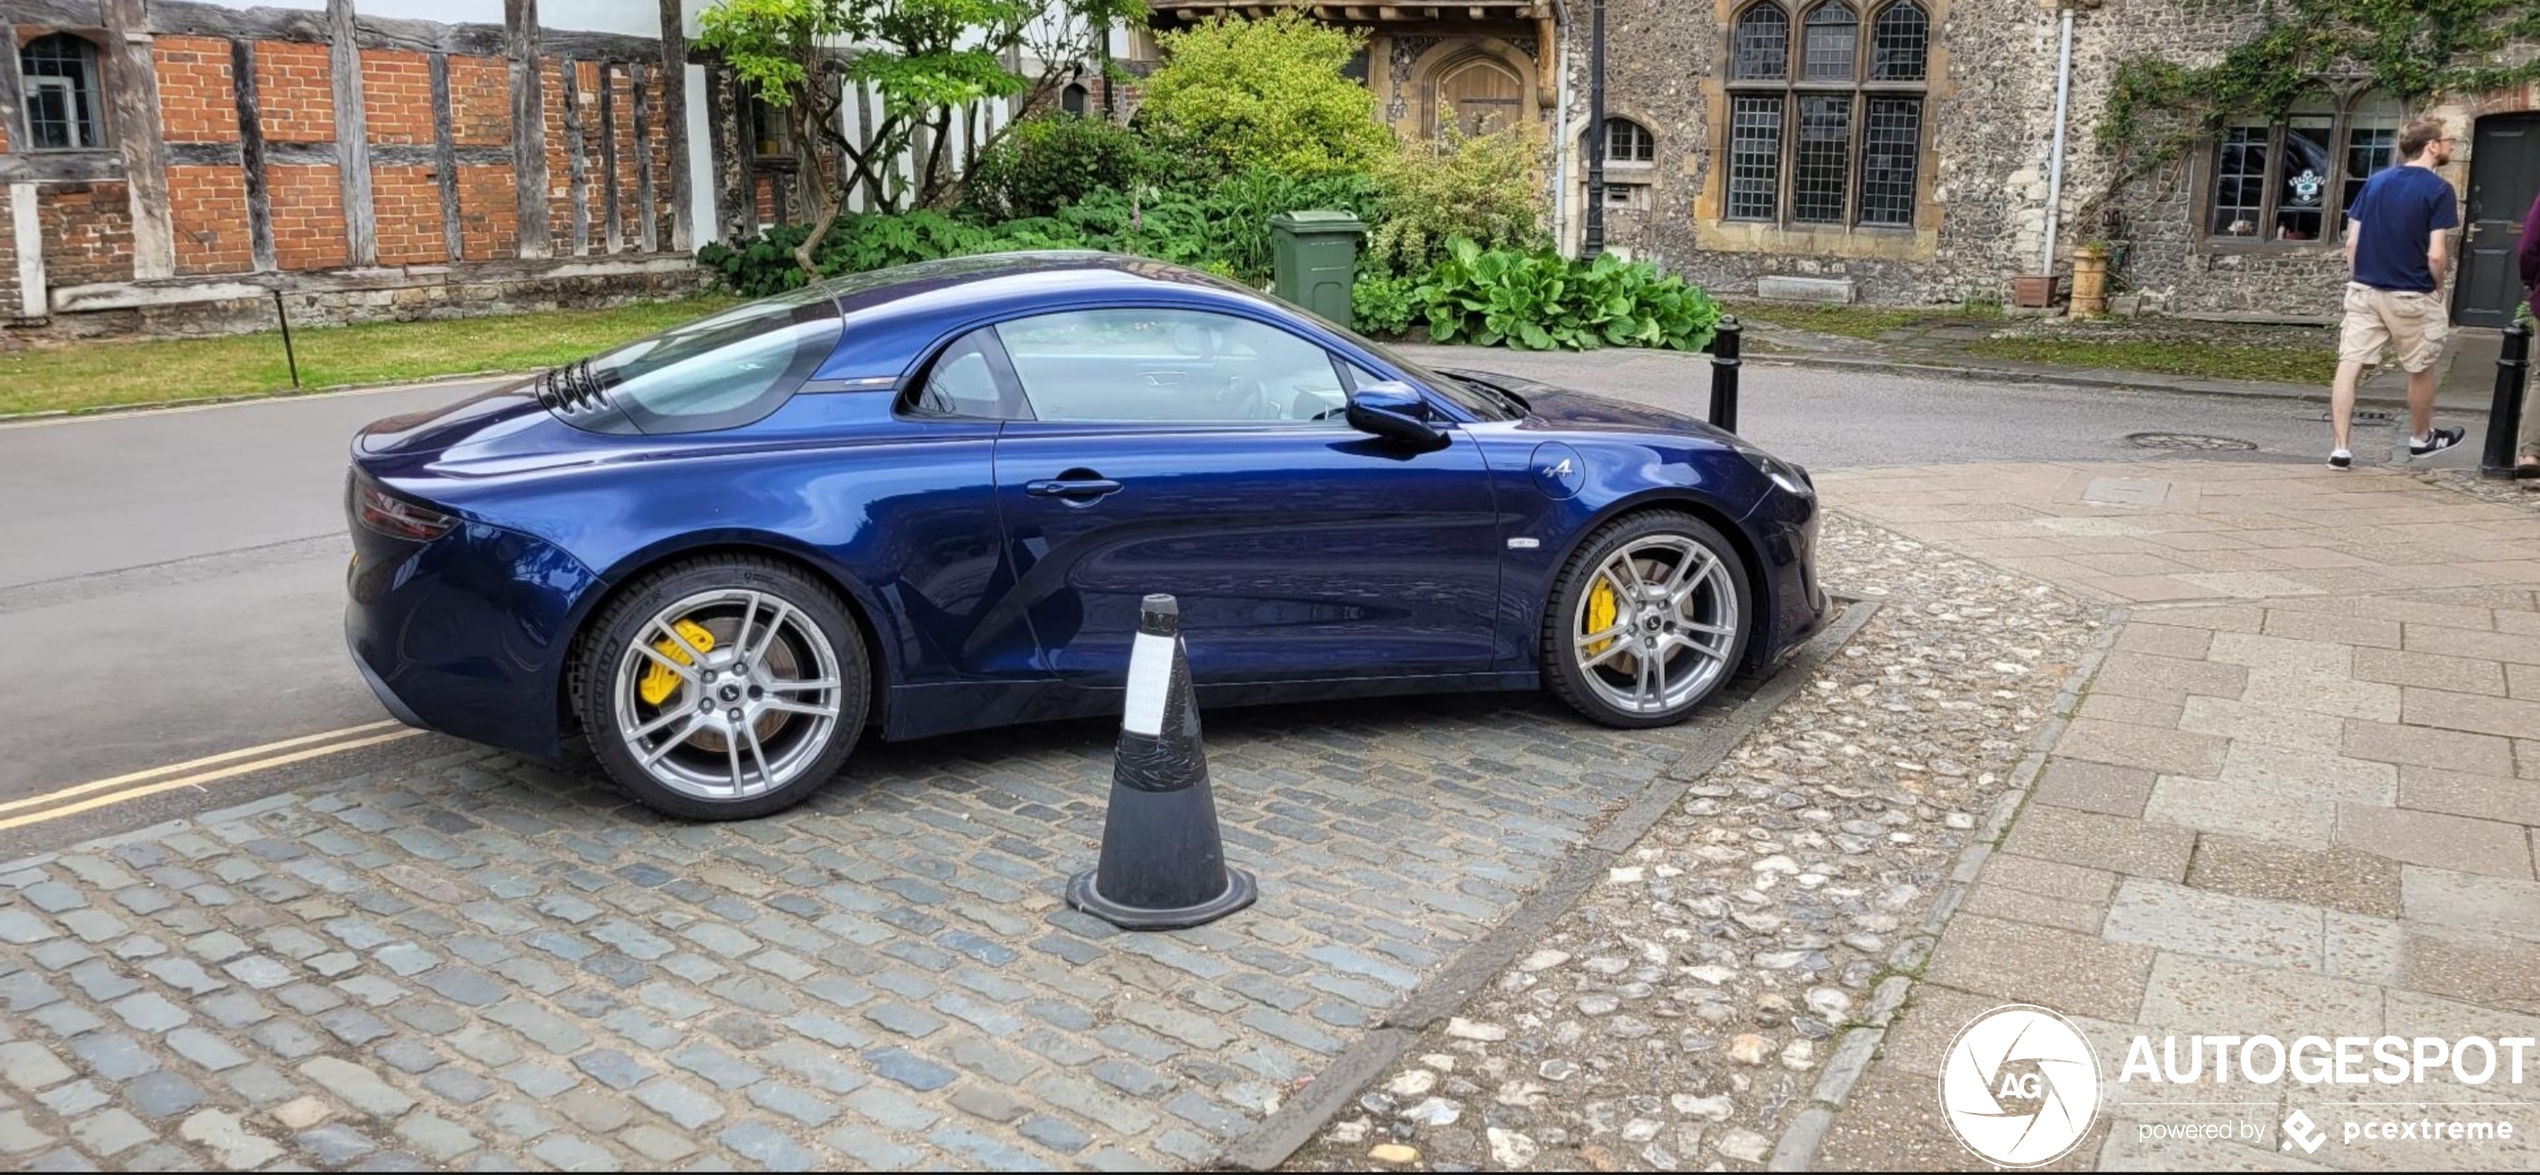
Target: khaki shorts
[2409,323]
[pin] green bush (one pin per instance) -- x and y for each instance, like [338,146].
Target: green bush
[1540,300]
[1435,190]
[1048,161]
[1385,305]
[1265,93]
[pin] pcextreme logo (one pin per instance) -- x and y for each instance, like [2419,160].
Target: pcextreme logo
[2020,1086]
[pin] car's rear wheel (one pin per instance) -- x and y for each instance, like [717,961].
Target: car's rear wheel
[723,688]
[1647,620]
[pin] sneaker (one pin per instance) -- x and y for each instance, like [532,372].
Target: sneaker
[2341,459]
[2436,441]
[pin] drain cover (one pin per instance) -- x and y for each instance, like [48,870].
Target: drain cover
[2188,440]
[2364,418]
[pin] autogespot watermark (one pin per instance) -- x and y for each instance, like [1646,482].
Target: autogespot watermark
[2021,1086]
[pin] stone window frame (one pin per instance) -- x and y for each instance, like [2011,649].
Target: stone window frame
[2346,97]
[98,122]
[1861,88]
[1629,183]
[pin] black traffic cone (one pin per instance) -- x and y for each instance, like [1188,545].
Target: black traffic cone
[1163,865]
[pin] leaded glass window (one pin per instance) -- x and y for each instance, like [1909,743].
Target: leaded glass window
[1837,141]
[1900,41]
[1755,156]
[1762,52]
[1833,44]
[2372,144]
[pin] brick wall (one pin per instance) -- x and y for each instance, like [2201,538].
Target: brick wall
[559,157]
[87,233]
[295,93]
[197,101]
[209,207]
[480,101]
[308,216]
[407,204]
[397,97]
[489,212]
[8,273]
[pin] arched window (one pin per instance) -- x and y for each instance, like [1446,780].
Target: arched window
[1478,95]
[1072,99]
[2290,181]
[1900,42]
[62,103]
[1629,142]
[1762,51]
[1833,43]
[1841,142]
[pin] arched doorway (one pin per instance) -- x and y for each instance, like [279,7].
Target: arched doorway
[1477,95]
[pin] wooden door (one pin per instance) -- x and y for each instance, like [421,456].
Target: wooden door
[2504,176]
[1478,96]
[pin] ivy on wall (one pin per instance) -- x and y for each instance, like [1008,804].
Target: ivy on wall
[2157,109]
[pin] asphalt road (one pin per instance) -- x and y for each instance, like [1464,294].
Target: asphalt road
[171,582]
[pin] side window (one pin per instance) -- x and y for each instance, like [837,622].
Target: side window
[963,382]
[717,372]
[1169,366]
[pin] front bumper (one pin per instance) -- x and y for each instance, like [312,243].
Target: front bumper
[467,634]
[1785,528]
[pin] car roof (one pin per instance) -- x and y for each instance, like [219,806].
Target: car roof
[891,317]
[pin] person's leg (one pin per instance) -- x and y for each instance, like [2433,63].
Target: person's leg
[2361,334]
[2530,442]
[2417,333]
[2341,400]
[2420,404]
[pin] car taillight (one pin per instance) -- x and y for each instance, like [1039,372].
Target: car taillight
[397,517]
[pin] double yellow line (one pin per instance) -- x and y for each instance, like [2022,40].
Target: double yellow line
[197,772]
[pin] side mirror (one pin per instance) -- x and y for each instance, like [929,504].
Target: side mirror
[1394,411]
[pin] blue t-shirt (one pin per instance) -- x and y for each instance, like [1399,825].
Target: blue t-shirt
[2400,210]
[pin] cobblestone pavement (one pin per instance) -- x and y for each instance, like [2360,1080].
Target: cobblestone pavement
[1730,967]
[2300,798]
[481,964]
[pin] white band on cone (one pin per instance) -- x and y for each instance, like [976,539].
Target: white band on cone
[1150,678]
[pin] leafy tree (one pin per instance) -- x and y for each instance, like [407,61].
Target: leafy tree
[1266,93]
[927,59]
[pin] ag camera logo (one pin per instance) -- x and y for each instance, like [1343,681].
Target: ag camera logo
[2020,1086]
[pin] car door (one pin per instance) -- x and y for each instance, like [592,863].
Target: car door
[1299,548]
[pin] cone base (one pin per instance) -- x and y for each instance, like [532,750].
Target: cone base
[1240,892]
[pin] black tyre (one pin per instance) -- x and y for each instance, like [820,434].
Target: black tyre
[1650,617]
[722,688]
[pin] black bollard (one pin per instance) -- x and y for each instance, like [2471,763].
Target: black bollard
[1724,368]
[2504,416]
[1163,864]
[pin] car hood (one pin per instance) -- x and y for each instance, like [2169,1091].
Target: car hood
[1562,407]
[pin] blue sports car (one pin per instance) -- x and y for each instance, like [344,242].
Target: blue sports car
[929,499]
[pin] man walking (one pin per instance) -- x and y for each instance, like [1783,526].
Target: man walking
[2396,252]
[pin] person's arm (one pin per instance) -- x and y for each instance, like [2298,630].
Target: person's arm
[2354,233]
[2438,243]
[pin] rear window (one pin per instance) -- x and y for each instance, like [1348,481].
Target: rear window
[721,371]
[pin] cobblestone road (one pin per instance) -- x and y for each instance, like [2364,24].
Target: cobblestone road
[484,964]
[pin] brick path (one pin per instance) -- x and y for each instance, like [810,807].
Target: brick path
[2301,796]
[482,964]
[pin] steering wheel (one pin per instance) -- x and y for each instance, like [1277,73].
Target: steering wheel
[1244,398]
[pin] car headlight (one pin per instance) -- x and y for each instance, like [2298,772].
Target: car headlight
[1791,478]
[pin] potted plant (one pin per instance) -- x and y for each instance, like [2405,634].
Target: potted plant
[2090,280]
[2033,291]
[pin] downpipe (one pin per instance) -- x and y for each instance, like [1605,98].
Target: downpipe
[2055,161]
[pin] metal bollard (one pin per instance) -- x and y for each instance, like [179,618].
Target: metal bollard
[1724,369]
[289,355]
[2504,416]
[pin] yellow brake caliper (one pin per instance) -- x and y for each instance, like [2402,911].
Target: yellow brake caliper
[1600,615]
[659,683]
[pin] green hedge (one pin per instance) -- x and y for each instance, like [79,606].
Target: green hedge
[1539,300]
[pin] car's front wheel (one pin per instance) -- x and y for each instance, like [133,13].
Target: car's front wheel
[723,688]
[1648,618]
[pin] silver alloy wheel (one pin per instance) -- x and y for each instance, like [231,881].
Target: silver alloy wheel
[742,719]
[1673,631]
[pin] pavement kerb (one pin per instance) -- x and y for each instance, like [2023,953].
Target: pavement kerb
[1797,1148]
[1301,1118]
[2134,382]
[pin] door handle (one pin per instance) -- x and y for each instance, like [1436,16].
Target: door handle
[1078,488]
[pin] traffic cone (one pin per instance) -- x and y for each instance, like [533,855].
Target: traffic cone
[1163,864]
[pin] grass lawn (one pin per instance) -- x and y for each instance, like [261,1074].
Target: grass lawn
[108,374]
[1851,322]
[2315,365]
